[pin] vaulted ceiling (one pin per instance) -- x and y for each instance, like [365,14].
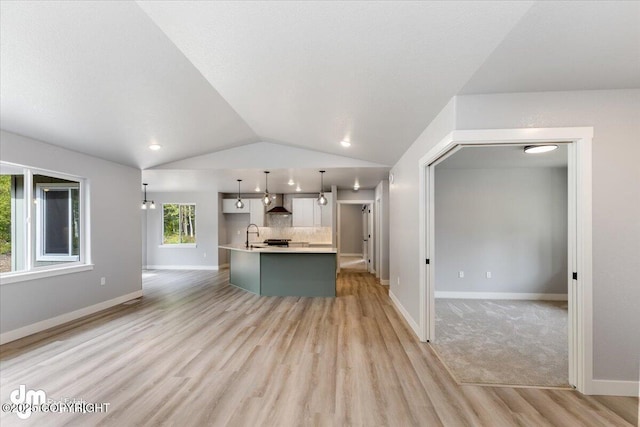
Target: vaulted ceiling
[109,78]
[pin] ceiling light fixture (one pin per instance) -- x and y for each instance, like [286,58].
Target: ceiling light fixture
[291,182]
[239,202]
[356,186]
[155,147]
[266,198]
[298,188]
[345,143]
[145,202]
[322,200]
[537,149]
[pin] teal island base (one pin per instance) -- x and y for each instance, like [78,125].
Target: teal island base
[284,274]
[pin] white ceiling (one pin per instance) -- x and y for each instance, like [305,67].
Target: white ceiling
[494,157]
[108,78]
[572,45]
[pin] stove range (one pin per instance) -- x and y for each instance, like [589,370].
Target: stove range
[278,242]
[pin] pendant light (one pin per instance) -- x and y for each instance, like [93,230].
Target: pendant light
[266,198]
[239,202]
[322,200]
[145,202]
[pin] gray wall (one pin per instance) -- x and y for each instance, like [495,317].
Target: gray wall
[205,254]
[115,198]
[511,222]
[404,262]
[351,229]
[614,116]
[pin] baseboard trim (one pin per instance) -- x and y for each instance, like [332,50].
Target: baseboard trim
[65,318]
[182,267]
[412,324]
[614,388]
[225,265]
[501,295]
[384,282]
[345,254]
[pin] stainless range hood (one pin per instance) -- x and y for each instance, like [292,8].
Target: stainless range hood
[278,208]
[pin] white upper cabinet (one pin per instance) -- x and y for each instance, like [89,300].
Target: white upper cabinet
[256,213]
[229,206]
[302,212]
[326,214]
[307,212]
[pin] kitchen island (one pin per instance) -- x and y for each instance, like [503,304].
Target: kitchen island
[283,271]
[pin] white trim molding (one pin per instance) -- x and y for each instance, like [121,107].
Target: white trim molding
[385,282]
[580,295]
[615,388]
[181,267]
[65,318]
[501,295]
[407,317]
[343,254]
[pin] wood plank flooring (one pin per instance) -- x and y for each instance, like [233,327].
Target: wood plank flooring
[196,351]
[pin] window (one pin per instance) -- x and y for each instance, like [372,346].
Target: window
[41,220]
[178,224]
[58,221]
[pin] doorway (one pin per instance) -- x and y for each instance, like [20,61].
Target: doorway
[356,236]
[579,280]
[501,283]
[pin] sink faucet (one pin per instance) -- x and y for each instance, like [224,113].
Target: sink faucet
[257,232]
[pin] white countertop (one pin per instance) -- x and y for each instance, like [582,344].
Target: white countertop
[259,247]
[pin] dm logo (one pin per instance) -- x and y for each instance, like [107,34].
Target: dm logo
[26,400]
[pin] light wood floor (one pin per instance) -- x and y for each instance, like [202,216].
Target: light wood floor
[196,351]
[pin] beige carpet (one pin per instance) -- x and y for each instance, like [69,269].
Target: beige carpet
[504,341]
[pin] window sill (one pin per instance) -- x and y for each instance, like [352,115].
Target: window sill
[42,274]
[179,245]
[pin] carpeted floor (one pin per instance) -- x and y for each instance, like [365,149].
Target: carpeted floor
[503,341]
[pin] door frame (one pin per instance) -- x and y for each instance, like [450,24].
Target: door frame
[371,204]
[580,291]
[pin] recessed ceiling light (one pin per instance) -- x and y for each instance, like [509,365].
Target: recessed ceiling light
[298,188]
[356,186]
[155,147]
[536,149]
[257,189]
[345,143]
[291,182]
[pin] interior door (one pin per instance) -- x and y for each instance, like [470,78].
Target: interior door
[365,235]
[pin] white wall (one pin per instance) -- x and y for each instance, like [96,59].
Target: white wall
[403,216]
[615,116]
[382,194]
[509,221]
[351,229]
[115,197]
[356,195]
[205,254]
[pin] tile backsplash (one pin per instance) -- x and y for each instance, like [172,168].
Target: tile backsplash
[297,234]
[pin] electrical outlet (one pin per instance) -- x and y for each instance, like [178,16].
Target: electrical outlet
[238,232]
[103,281]
[461,274]
[488,275]
[398,280]
[204,255]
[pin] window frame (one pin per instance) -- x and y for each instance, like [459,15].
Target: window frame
[40,230]
[178,245]
[31,271]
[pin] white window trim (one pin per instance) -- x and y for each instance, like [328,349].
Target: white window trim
[40,236]
[30,271]
[176,245]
